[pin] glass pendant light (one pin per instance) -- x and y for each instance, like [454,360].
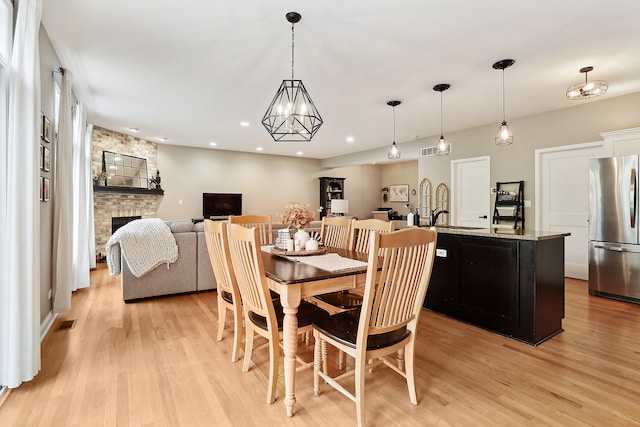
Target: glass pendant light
[504,136]
[394,153]
[588,89]
[442,148]
[292,115]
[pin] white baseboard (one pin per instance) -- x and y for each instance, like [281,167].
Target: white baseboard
[46,324]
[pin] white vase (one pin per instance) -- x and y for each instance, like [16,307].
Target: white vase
[302,236]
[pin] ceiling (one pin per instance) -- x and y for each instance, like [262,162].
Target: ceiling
[192,70]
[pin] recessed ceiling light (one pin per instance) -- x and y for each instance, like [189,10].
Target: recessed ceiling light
[259,148]
[134,130]
[350,139]
[244,124]
[161,138]
[213,144]
[299,153]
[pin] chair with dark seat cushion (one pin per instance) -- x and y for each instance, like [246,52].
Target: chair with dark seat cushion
[395,289]
[228,294]
[263,316]
[359,242]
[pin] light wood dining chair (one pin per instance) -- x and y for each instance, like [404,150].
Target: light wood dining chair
[215,233]
[261,222]
[386,323]
[263,316]
[336,231]
[359,239]
[359,242]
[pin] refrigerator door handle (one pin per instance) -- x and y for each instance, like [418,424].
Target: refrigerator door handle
[633,196]
[612,248]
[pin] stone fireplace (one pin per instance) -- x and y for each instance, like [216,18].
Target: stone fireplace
[110,202]
[115,205]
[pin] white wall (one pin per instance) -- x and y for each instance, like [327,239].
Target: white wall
[266,182]
[581,122]
[48,62]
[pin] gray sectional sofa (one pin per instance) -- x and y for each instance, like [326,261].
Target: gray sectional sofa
[191,273]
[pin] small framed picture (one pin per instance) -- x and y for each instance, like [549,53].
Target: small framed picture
[399,193]
[46,159]
[45,189]
[42,188]
[46,128]
[41,125]
[41,157]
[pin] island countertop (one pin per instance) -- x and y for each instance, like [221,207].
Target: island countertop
[501,233]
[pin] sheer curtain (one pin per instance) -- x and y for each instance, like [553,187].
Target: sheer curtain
[91,237]
[63,208]
[19,263]
[82,195]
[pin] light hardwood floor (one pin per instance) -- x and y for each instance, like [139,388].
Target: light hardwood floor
[156,362]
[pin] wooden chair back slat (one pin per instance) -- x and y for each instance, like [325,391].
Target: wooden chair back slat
[336,232]
[361,231]
[261,222]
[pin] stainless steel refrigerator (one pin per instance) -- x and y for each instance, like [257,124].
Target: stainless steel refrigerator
[614,238]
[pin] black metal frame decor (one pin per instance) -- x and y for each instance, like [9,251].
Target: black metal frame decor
[292,116]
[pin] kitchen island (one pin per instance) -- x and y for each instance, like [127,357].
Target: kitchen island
[504,280]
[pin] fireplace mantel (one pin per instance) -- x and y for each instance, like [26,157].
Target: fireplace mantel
[128,190]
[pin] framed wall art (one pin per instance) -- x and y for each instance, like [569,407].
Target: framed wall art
[399,193]
[41,157]
[46,159]
[45,189]
[46,128]
[42,188]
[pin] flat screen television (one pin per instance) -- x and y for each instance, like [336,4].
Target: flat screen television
[221,204]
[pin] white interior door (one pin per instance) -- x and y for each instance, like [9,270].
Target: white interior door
[470,192]
[562,205]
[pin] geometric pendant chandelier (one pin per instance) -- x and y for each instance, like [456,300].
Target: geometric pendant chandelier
[292,115]
[588,89]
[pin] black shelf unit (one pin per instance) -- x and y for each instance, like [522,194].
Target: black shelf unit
[330,189]
[509,196]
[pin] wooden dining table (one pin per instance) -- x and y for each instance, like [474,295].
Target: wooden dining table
[293,281]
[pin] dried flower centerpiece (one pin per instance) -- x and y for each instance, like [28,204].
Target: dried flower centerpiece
[298,215]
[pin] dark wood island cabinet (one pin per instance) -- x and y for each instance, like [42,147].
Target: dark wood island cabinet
[509,282]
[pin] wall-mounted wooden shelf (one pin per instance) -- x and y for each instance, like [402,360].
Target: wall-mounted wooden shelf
[128,190]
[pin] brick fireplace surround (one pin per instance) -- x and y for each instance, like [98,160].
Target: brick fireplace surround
[107,205]
[110,205]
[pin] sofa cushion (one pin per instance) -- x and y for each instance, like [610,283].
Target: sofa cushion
[180,226]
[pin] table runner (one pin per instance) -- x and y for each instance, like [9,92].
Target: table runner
[328,262]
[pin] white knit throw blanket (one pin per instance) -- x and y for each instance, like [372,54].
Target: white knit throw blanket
[145,244]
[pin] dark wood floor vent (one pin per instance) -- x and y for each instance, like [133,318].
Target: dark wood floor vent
[67,324]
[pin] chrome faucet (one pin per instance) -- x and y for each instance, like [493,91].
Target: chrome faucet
[434,214]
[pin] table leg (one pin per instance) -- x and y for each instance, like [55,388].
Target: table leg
[290,300]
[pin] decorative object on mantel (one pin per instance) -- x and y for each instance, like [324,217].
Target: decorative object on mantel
[156,180]
[292,115]
[101,179]
[394,153]
[443,147]
[588,89]
[504,136]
